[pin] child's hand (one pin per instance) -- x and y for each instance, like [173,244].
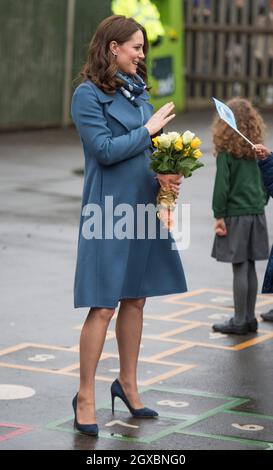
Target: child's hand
[262,152]
[220,228]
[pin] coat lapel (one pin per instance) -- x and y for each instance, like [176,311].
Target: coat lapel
[124,112]
[121,109]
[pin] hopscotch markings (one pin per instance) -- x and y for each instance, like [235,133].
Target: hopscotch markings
[247,427]
[179,298]
[252,342]
[173,404]
[219,316]
[121,423]
[41,358]
[217,335]
[18,430]
[221,299]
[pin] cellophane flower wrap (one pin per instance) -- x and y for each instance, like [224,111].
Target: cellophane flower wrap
[176,155]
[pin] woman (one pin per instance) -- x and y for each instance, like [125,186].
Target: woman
[115,122]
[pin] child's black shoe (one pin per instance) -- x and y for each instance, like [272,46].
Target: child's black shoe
[229,328]
[268,316]
[252,326]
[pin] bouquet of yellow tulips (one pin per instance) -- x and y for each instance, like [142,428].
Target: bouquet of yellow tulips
[176,155]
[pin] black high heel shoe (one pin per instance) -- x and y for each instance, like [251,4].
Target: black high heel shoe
[117,391]
[90,429]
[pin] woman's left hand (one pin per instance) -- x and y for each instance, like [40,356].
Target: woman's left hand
[171,182]
[175,188]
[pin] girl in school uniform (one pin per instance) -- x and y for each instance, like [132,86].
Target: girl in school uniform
[239,198]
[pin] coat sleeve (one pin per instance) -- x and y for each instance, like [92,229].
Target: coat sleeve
[266,167]
[221,186]
[87,114]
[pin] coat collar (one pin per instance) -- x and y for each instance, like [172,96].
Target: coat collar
[104,97]
[107,97]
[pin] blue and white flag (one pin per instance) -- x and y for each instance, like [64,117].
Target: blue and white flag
[227,115]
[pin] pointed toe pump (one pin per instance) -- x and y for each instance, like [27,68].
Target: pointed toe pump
[90,429]
[117,391]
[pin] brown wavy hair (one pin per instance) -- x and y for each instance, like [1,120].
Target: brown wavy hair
[101,66]
[249,123]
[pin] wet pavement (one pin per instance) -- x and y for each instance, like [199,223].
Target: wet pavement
[212,391]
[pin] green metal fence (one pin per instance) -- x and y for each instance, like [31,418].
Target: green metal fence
[42,46]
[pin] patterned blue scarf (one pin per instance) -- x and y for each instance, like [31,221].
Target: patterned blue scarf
[133,86]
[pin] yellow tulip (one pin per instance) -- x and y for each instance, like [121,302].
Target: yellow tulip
[178,145]
[155,141]
[195,143]
[197,154]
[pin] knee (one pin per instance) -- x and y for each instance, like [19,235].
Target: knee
[137,304]
[104,314]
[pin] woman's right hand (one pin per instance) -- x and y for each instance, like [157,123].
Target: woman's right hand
[160,118]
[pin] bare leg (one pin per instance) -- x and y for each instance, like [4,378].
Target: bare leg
[91,344]
[128,332]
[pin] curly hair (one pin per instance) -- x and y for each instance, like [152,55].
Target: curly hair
[101,66]
[249,123]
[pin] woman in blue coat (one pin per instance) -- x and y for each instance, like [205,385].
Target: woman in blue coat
[118,259]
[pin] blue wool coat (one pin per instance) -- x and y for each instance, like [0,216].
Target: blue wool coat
[116,148]
[266,167]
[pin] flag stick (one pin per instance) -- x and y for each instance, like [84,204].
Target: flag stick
[244,137]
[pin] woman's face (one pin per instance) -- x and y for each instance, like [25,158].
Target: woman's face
[129,53]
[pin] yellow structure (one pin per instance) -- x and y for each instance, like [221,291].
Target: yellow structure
[144,12]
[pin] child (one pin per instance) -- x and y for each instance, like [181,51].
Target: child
[238,205]
[266,166]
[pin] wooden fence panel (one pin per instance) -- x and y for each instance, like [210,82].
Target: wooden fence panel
[229,50]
